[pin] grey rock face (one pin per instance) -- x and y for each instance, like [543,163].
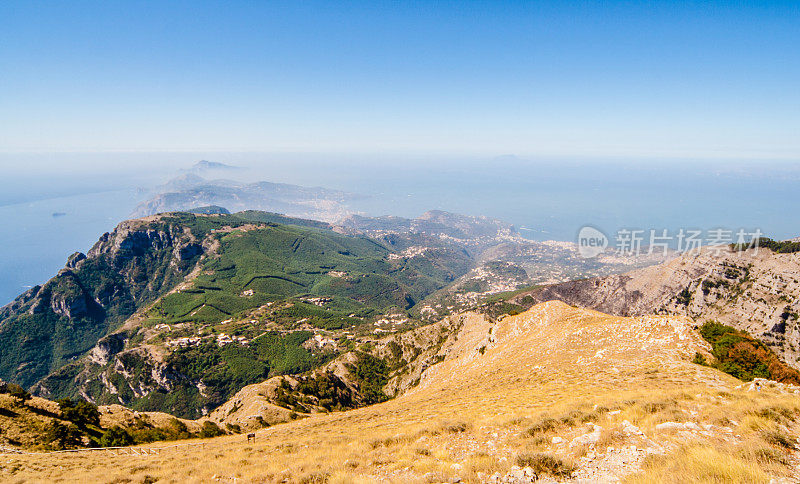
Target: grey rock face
[75,259]
[47,326]
[755,291]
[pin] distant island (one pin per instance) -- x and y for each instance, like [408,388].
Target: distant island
[205,165]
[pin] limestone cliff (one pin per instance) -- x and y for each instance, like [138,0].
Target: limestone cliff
[757,291]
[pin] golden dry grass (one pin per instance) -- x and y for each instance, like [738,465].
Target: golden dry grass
[553,369]
[21,423]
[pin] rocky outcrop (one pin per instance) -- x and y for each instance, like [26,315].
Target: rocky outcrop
[49,325]
[75,259]
[107,347]
[69,299]
[755,291]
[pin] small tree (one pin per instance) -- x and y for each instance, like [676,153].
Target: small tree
[18,392]
[178,430]
[372,374]
[116,436]
[63,436]
[81,412]
[210,429]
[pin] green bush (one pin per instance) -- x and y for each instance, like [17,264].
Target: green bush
[61,436]
[18,392]
[743,356]
[116,436]
[372,374]
[684,298]
[80,412]
[210,429]
[781,247]
[699,359]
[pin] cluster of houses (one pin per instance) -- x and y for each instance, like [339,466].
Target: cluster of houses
[318,301]
[189,341]
[390,323]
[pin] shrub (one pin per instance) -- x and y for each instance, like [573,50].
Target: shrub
[781,247]
[315,478]
[18,392]
[80,412]
[210,429]
[455,427]
[62,436]
[776,413]
[745,357]
[779,438]
[766,455]
[684,298]
[544,425]
[178,429]
[546,464]
[657,406]
[699,359]
[116,436]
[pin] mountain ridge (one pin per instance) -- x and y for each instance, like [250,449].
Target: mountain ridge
[757,291]
[235,292]
[557,393]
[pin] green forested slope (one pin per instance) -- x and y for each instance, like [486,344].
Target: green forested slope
[238,263]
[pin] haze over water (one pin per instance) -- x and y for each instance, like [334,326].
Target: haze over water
[545,199]
[614,99]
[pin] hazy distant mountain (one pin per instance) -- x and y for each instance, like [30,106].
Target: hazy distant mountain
[181,182]
[210,210]
[190,191]
[434,222]
[204,166]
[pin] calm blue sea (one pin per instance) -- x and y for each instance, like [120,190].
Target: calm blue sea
[546,200]
[39,236]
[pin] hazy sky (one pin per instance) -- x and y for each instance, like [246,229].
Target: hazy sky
[678,79]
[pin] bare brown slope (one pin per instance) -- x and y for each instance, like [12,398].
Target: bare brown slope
[589,390]
[754,291]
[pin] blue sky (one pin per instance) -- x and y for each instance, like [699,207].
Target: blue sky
[651,79]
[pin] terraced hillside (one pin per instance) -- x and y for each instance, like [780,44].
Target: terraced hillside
[155,280]
[246,310]
[503,260]
[179,311]
[557,393]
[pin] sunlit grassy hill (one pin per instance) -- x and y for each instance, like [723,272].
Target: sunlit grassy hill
[35,424]
[559,392]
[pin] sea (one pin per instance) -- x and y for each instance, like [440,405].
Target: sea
[53,206]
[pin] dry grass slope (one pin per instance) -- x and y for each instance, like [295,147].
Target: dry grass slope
[570,393]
